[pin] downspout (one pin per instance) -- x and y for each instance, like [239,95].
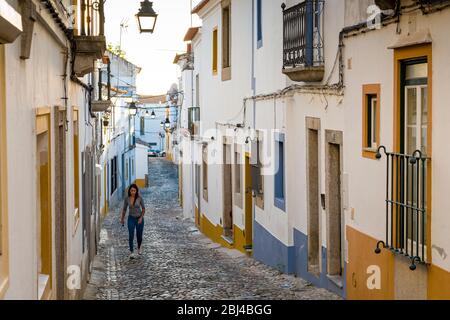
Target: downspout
[254,114]
[253,63]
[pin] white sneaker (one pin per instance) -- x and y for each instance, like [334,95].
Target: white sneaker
[140,251]
[132,256]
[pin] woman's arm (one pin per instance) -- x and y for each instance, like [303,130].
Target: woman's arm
[124,210]
[143,210]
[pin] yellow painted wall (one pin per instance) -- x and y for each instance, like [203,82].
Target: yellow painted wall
[197,218]
[215,232]
[438,283]
[361,255]
[140,183]
[239,239]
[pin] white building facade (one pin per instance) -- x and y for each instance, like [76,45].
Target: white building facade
[279,171]
[50,207]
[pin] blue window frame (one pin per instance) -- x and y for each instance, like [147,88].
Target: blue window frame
[280,188]
[259,23]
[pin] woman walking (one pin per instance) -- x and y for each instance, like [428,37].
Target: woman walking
[135,204]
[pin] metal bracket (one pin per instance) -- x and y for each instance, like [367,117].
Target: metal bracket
[378,250]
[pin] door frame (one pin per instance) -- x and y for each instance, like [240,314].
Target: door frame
[313,124]
[227,189]
[248,203]
[333,137]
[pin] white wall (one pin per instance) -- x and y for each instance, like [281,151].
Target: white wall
[288,115]
[141,161]
[32,84]
[367,177]
[223,100]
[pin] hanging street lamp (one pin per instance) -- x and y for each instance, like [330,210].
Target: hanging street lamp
[167,123]
[153,116]
[146,17]
[132,109]
[162,124]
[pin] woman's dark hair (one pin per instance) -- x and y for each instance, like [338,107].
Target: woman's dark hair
[134,186]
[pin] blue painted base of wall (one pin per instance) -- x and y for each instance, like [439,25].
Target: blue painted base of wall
[293,259]
[271,251]
[301,266]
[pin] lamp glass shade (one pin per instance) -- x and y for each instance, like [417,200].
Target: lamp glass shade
[132,109]
[153,116]
[167,123]
[146,17]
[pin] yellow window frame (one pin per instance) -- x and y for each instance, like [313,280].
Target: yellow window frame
[215,51]
[370,90]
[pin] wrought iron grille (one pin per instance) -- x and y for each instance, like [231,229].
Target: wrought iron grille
[302,34]
[92,17]
[406,205]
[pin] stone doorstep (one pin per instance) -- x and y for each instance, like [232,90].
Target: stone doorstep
[213,246]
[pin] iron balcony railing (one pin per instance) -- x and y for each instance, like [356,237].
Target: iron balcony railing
[92,18]
[302,34]
[406,205]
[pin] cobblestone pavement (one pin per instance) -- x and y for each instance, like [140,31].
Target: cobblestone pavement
[179,262]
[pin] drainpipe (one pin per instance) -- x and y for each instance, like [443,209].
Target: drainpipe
[109,79]
[253,63]
[100,98]
[254,112]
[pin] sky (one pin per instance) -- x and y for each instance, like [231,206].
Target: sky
[154,53]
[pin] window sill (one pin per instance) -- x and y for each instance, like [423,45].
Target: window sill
[369,153]
[280,204]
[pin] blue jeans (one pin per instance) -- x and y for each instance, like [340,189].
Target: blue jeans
[133,223]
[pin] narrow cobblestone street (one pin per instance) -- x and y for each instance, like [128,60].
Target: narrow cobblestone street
[178,261]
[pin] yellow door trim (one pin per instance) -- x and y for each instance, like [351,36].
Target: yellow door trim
[43,118]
